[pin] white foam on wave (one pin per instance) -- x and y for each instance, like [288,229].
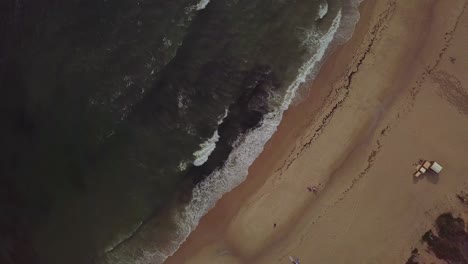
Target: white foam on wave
[202,4]
[245,150]
[183,165]
[309,68]
[323,10]
[199,6]
[207,147]
[248,147]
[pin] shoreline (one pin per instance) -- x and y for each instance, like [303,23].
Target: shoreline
[317,99]
[247,147]
[338,138]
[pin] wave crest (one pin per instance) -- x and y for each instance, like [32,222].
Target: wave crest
[323,10]
[249,146]
[245,150]
[207,147]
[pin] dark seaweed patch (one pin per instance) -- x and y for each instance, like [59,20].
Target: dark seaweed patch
[414,255]
[451,241]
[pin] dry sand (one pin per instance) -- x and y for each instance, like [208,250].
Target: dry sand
[396,93]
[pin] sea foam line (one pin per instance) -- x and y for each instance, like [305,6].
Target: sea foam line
[207,147]
[323,10]
[246,150]
[199,6]
[248,146]
[202,4]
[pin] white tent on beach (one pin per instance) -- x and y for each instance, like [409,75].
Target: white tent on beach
[435,167]
[432,165]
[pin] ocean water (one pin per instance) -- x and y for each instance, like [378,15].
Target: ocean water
[123,122]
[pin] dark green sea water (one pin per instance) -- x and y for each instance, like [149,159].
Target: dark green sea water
[123,121]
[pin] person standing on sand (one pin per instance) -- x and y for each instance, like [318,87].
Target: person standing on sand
[312,189]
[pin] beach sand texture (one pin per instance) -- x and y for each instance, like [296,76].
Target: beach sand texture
[394,94]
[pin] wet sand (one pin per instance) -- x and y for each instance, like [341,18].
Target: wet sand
[394,94]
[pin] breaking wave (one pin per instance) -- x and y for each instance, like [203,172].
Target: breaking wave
[199,6]
[246,148]
[249,145]
[323,10]
[207,147]
[202,4]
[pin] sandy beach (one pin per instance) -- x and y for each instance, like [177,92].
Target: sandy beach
[393,95]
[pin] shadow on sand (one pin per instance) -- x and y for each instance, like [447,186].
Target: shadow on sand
[430,176]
